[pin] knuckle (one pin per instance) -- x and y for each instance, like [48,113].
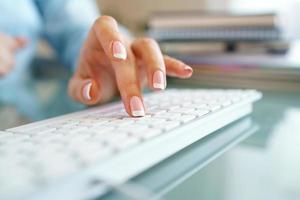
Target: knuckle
[104,19]
[147,41]
[129,85]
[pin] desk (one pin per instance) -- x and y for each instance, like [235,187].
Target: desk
[254,158]
[264,166]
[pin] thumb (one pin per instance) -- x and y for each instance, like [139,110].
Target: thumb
[85,91]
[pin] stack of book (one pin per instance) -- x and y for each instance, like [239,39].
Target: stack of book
[259,71]
[172,26]
[229,51]
[194,32]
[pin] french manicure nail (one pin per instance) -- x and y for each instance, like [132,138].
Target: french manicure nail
[119,50]
[136,106]
[86,92]
[188,69]
[159,80]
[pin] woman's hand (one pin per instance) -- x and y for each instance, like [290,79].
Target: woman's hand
[110,64]
[8,47]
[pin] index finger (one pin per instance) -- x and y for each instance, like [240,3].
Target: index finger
[106,36]
[123,63]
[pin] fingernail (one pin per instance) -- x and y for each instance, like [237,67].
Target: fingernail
[86,92]
[119,50]
[188,69]
[136,106]
[159,80]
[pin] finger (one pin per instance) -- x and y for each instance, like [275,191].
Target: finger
[88,91]
[129,85]
[84,86]
[149,52]
[123,62]
[85,91]
[87,84]
[177,68]
[106,32]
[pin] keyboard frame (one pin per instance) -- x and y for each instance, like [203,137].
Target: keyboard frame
[109,168]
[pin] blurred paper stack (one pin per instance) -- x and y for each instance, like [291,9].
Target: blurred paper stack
[228,50]
[194,26]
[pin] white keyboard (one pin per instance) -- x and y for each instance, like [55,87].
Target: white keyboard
[108,143]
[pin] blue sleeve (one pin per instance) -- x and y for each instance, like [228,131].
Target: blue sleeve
[66,24]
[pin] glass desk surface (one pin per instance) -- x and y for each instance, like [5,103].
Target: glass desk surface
[257,157]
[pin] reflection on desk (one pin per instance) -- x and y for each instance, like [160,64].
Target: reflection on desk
[265,166]
[165,177]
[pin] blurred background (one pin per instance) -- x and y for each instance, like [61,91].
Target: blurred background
[229,44]
[236,52]
[135,13]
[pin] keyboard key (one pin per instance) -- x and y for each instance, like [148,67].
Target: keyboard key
[214,106]
[93,153]
[5,135]
[168,125]
[22,178]
[186,118]
[135,127]
[130,141]
[168,116]
[111,138]
[182,110]
[147,134]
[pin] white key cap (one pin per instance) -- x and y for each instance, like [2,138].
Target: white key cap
[22,179]
[226,103]
[214,106]
[112,138]
[130,141]
[150,121]
[168,115]
[101,129]
[57,167]
[15,139]
[5,135]
[120,122]
[186,118]
[147,134]
[168,125]
[94,153]
[135,127]
[182,110]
